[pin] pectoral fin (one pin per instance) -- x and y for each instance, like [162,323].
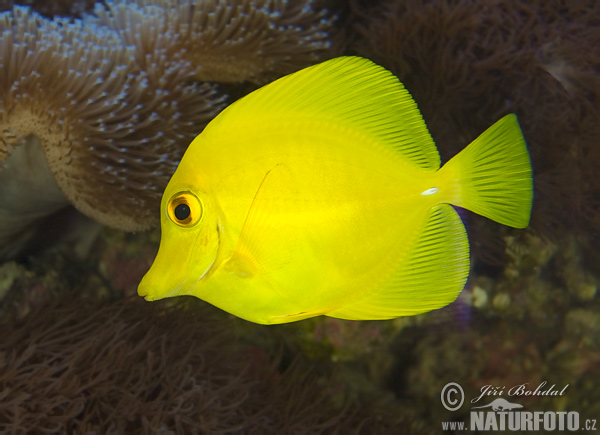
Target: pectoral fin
[265,242]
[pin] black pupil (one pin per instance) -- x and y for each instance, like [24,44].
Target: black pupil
[182,212]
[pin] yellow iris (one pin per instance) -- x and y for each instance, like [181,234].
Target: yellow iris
[185,209]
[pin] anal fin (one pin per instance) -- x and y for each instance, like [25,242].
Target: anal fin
[430,277]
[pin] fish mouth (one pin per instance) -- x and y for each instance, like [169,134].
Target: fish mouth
[150,296]
[173,292]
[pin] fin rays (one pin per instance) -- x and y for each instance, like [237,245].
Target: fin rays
[256,247]
[431,277]
[493,175]
[353,92]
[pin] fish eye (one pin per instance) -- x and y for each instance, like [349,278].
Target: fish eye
[185,209]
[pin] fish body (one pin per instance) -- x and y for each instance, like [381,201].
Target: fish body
[322,194]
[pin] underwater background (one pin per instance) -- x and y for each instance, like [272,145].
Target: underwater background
[106,96]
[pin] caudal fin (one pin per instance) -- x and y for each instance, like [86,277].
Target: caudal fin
[492,176]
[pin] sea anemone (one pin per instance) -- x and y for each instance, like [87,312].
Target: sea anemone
[131,367]
[224,41]
[111,135]
[51,8]
[113,99]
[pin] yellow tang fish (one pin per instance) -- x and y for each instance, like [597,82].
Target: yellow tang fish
[322,194]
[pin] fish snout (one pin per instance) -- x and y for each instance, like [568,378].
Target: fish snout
[144,289]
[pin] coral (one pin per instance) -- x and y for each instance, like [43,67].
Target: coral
[111,130]
[468,63]
[132,367]
[223,41]
[536,322]
[51,8]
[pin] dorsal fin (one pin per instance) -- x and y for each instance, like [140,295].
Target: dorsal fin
[350,91]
